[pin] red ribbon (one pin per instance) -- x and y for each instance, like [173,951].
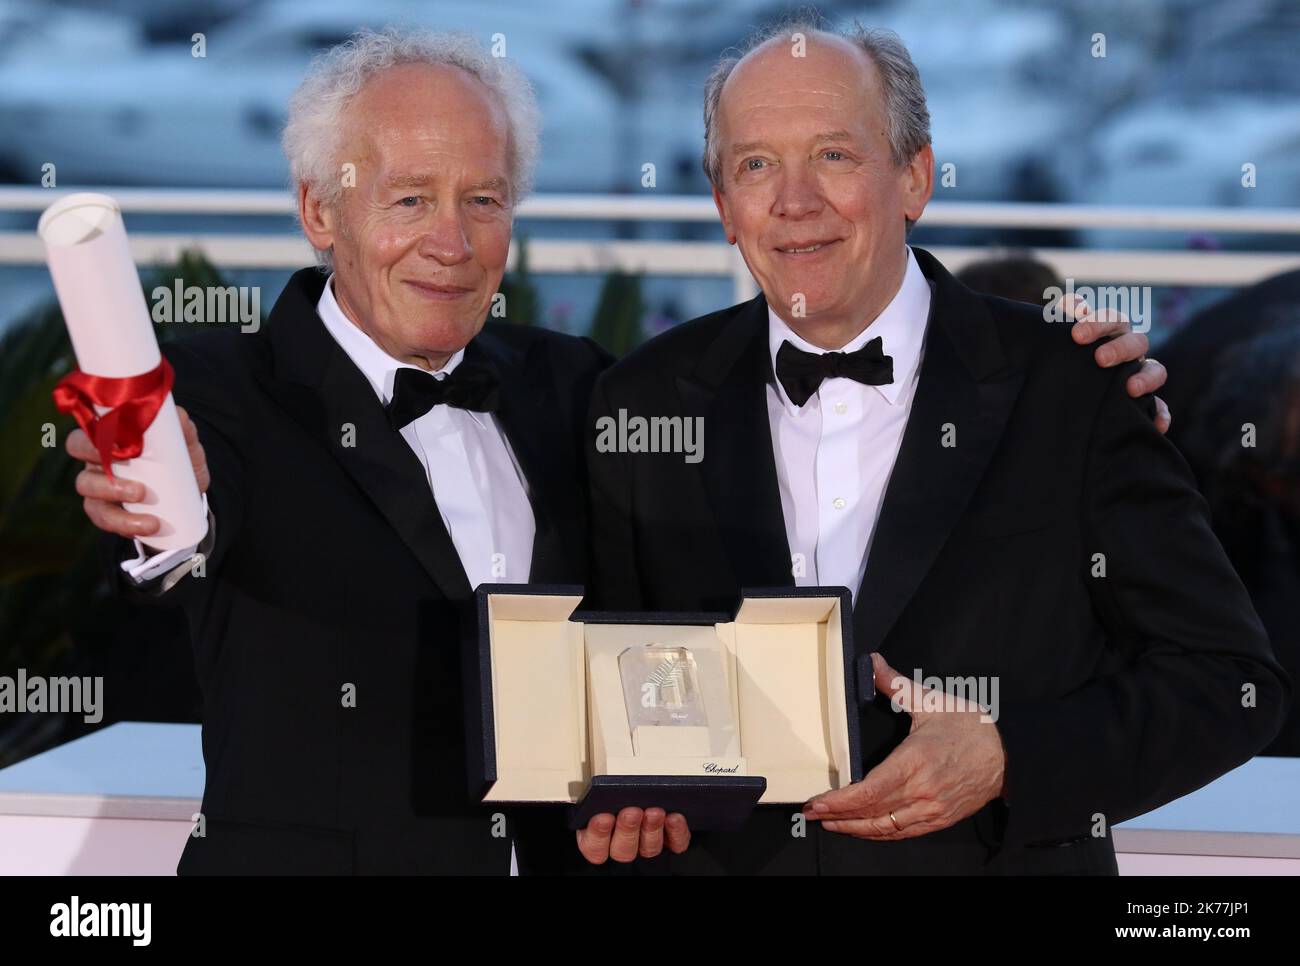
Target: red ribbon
[134,401]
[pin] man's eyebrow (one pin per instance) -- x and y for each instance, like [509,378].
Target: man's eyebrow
[406,181]
[421,180]
[834,136]
[747,146]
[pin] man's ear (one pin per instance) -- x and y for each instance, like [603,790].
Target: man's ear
[918,183]
[721,202]
[319,220]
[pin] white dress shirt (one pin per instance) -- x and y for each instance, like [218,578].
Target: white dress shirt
[834,455]
[480,490]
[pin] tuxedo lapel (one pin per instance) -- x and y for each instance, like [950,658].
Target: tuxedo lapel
[729,389]
[529,404]
[328,396]
[965,381]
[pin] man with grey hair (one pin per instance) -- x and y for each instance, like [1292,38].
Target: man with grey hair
[369,457]
[997,505]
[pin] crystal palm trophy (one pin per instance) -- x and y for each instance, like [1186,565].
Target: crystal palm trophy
[661,686]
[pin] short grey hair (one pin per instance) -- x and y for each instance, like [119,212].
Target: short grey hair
[906,113]
[314,133]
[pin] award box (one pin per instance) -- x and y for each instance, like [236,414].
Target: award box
[704,714]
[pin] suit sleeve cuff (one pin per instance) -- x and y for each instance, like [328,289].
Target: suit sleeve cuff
[147,566]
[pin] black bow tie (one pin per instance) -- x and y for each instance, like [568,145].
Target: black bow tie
[415,392]
[801,373]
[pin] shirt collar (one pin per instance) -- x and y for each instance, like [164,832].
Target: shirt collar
[900,327]
[379,368]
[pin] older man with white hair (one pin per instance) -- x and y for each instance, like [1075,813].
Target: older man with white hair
[369,458]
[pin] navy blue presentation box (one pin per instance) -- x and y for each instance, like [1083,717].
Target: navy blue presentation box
[549,720]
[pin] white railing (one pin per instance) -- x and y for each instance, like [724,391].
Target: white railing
[1143,266]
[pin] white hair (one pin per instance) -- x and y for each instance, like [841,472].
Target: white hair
[314,133]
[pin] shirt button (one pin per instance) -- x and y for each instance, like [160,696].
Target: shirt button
[841,408]
[838,503]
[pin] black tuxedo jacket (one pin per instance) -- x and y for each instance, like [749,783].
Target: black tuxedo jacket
[1117,692]
[332,574]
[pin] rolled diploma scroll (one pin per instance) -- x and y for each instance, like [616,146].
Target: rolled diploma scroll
[108,321]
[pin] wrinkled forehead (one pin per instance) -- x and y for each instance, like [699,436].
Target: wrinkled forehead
[439,112]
